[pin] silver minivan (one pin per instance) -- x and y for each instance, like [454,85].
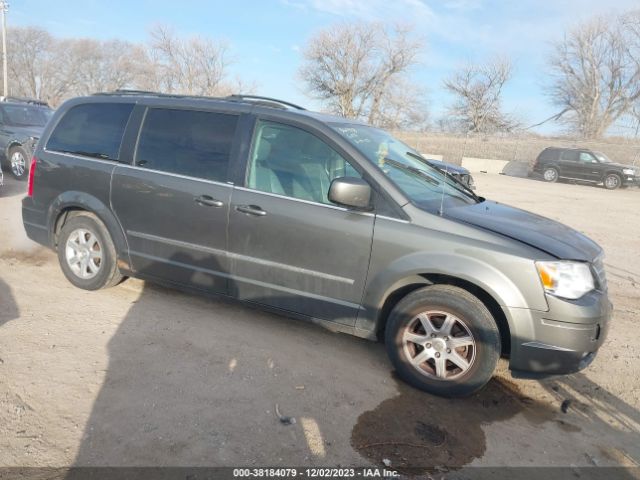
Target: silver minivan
[319,218]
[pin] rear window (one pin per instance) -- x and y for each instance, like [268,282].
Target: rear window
[92,129]
[192,143]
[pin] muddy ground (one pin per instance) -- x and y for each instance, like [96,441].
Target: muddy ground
[143,375]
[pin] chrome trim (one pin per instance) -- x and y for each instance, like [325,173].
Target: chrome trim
[237,256]
[248,280]
[177,175]
[392,219]
[309,202]
[84,157]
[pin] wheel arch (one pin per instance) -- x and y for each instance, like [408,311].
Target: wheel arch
[427,279]
[70,204]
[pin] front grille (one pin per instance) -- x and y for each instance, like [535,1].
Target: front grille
[598,271]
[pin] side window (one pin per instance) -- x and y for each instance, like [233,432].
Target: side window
[193,143]
[290,161]
[91,129]
[570,155]
[586,157]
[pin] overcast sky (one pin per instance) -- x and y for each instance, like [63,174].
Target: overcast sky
[266,36]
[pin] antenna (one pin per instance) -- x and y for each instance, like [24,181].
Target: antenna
[446,173]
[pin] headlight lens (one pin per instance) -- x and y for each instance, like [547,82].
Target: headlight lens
[566,279]
[628,171]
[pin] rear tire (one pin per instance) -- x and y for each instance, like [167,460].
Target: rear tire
[452,354]
[19,162]
[86,253]
[551,174]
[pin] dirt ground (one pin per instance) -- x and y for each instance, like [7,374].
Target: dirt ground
[140,375]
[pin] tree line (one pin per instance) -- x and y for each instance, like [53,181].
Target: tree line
[363,70]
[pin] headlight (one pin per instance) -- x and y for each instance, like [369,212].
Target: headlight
[628,171]
[566,279]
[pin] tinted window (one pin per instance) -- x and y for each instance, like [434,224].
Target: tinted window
[570,155]
[26,115]
[586,157]
[92,129]
[292,162]
[196,144]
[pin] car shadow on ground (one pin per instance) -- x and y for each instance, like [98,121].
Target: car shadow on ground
[195,382]
[12,187]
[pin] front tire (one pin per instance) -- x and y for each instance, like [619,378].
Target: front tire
[18,162]
[86,253]
[612,181]
[443,340]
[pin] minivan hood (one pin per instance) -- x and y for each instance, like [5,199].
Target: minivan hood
[539,232]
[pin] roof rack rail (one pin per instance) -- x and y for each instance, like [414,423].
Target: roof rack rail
[263,100]
[266,101]
[30,101]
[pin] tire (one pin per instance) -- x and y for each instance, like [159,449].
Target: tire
[612,181]
[550,174]
[100,269]
[471,322]
[19,162]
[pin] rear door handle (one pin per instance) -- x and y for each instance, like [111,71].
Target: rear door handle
[208,201]
[251,210]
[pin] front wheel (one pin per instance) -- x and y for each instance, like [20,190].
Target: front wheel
[18,161]
[443,340]
[612,181]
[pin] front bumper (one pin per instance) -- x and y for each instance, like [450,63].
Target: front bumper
[564,339]
[631,180]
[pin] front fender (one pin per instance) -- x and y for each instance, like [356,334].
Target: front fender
[19,140]
[84,201]
[413,268]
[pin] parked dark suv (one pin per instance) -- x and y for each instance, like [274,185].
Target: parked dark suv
[21,123]
[300,212]
[585,166]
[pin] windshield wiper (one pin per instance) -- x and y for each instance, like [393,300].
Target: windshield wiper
[466,187]
[416,171]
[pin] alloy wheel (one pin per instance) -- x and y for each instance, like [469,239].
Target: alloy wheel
[83,253]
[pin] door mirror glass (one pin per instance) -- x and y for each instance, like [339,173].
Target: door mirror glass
[350,192]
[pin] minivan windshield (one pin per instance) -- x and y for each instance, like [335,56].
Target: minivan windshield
[425,185]
[26,115]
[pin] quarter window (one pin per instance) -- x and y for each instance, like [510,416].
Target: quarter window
[290,161]
[91,129]
[192,143]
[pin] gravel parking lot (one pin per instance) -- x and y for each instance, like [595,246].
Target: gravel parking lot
[143,375]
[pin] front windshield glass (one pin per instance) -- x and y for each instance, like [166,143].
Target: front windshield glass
[602,157]
[425,185]
[26,115]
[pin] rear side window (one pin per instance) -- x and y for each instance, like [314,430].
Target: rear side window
[192,143]
[570,155]
[91,129]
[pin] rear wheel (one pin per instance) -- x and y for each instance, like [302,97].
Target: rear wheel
[612,181]
[86,253]
[443,340]
[18,162]
[550,174]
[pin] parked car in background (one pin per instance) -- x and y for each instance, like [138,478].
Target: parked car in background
[586,166]
[456,171]
[1,176]
[320,218]
[21,123]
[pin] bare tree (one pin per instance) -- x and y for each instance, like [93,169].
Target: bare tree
[478,90]
[353,68]
[193,65]
[596,69]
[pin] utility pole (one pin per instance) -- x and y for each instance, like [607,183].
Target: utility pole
[4,7]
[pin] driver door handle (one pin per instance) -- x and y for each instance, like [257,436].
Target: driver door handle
[251,210]
[208,201]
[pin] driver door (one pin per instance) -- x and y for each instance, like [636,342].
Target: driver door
[289,246]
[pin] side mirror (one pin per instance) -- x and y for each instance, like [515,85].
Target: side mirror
[350,192]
